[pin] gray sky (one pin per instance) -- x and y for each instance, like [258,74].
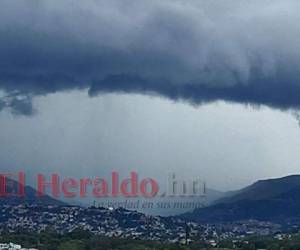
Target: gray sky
[202,88]
[229,145]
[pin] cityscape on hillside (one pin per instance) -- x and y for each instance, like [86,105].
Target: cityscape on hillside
[211,225]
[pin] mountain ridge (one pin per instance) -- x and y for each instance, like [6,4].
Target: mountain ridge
[271,199]
[29,196]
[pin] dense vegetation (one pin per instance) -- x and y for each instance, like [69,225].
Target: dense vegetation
[82,240]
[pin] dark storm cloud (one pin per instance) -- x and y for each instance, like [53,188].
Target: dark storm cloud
[196,51]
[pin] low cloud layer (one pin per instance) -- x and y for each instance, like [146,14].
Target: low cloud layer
[195,51]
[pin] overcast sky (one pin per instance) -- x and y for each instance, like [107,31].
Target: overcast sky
[227,144]
[204,88]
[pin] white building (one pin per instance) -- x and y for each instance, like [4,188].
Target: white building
[12,246]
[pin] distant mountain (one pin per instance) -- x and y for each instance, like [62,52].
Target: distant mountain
[212,196]
[29,197]
[263,189]
[180,204]
[273,199]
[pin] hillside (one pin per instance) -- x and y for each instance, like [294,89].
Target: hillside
[29,197]
[273,199]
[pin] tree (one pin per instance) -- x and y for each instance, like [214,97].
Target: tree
[71,244]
